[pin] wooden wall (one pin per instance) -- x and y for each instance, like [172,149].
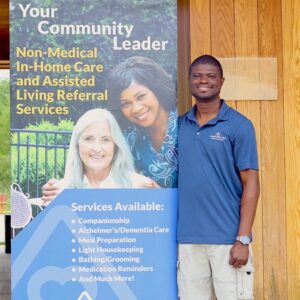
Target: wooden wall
[4,30]
[261,28]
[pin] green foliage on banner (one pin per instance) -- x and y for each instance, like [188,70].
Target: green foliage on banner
[39,157]
[4,145]
[48,137]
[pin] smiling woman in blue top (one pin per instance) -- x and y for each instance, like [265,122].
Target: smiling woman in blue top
[143,98]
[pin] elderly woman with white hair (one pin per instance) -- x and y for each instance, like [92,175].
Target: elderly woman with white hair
[98,157]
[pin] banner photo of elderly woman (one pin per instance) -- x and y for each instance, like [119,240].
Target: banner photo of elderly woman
[98,157]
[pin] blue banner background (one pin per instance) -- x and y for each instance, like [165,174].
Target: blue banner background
[42,266]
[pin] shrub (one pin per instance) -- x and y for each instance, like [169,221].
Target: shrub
[4,145]
[40,155]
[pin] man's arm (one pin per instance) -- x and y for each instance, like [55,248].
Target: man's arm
[239,253]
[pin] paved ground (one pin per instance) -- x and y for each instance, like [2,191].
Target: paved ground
[5,275]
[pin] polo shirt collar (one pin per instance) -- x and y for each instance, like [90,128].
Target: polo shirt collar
[223,114]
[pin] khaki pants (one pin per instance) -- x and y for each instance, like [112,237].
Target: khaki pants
[204,273]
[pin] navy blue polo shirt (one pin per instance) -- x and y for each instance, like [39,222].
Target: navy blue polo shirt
[209,184]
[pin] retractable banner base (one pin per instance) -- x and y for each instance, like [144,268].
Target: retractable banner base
[99,244]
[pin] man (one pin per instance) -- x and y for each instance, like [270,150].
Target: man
[218,192]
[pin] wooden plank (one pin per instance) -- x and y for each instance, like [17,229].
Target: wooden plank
[222,28]
[4,64]
[184,53]
[4,13]
[199,29]
[272,162]
[4,30]
[222,31]
[246,45]
[291,52]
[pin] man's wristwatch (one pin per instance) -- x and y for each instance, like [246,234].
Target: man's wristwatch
[244,239]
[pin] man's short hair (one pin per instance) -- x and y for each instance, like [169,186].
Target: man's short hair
[206,59]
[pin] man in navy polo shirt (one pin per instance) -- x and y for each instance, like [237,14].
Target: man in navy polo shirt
[218,192]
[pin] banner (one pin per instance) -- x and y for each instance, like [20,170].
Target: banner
[93,149]
[111,247]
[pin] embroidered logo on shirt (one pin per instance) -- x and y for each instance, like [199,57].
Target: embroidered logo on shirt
[218,137]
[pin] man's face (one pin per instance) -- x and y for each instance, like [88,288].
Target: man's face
[205,82]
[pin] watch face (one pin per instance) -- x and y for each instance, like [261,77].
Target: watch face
[245,240]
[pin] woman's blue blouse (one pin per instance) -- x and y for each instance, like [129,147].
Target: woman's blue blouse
[162,165]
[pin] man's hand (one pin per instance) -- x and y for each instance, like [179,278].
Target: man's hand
[239,255]
[51,189]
